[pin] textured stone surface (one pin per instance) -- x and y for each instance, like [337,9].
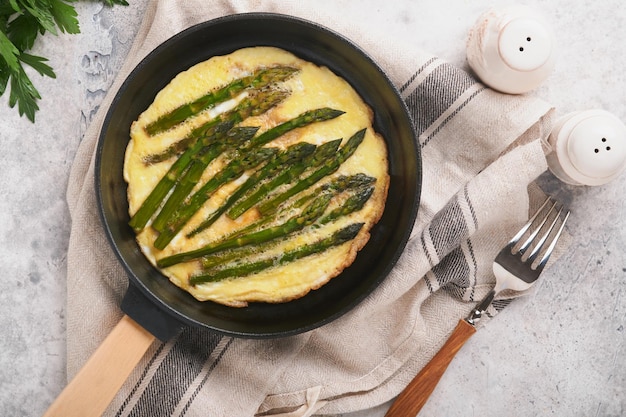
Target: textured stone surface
[560,351]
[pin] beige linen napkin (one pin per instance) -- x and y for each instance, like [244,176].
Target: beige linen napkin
[480,151]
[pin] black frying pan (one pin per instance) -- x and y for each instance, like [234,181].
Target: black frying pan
[156,308]
[162,308]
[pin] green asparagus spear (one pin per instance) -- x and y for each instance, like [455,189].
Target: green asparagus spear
[339,237]
[211,261]
[322,154]
[343,183]
[304,119]
[189,141]
[328,168]
[284,159]
[258,79]
[232,171]
[298,222]
[253,105]
[165,184]
[337,185]
[235,137]
[353,204]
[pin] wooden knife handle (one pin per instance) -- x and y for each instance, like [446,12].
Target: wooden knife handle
[95,385]
[412,399]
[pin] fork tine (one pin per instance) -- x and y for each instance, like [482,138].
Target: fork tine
[535,252]
[548,252]
[524,228]
[534,233]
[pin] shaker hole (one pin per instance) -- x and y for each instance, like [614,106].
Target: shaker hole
[603,139]
[528,39]
[608,148]
[521,49]
[596,150]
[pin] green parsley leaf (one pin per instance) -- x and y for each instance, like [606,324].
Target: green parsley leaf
[37,63]
[21,21]
[43,13]
[64,16]
[4,79]
[8,53]
[16,7]
[24,93]
[23,31]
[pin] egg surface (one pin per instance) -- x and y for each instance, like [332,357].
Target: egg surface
[271,252]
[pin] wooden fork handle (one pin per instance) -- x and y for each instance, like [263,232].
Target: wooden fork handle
[92,389]
[412,399]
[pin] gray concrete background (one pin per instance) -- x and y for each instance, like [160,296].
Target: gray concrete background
[559,352]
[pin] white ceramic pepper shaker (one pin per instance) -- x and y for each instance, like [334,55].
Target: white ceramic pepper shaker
[588,148]
[511,49]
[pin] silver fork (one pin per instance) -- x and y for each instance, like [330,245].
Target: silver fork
[515,269]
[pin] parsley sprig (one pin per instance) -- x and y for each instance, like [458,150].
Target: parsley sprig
[21,21]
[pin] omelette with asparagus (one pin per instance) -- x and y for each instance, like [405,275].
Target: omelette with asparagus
[255,177]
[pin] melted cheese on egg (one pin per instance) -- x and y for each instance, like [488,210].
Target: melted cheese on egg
[310,88]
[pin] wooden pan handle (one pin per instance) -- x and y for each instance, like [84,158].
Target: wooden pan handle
[412,399]
[95,385]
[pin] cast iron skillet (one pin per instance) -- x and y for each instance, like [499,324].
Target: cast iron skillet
[162,308]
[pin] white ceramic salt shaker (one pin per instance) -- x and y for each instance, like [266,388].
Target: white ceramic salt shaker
[511,49]
[588,148]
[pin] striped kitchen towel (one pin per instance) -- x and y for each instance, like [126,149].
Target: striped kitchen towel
[481,153]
